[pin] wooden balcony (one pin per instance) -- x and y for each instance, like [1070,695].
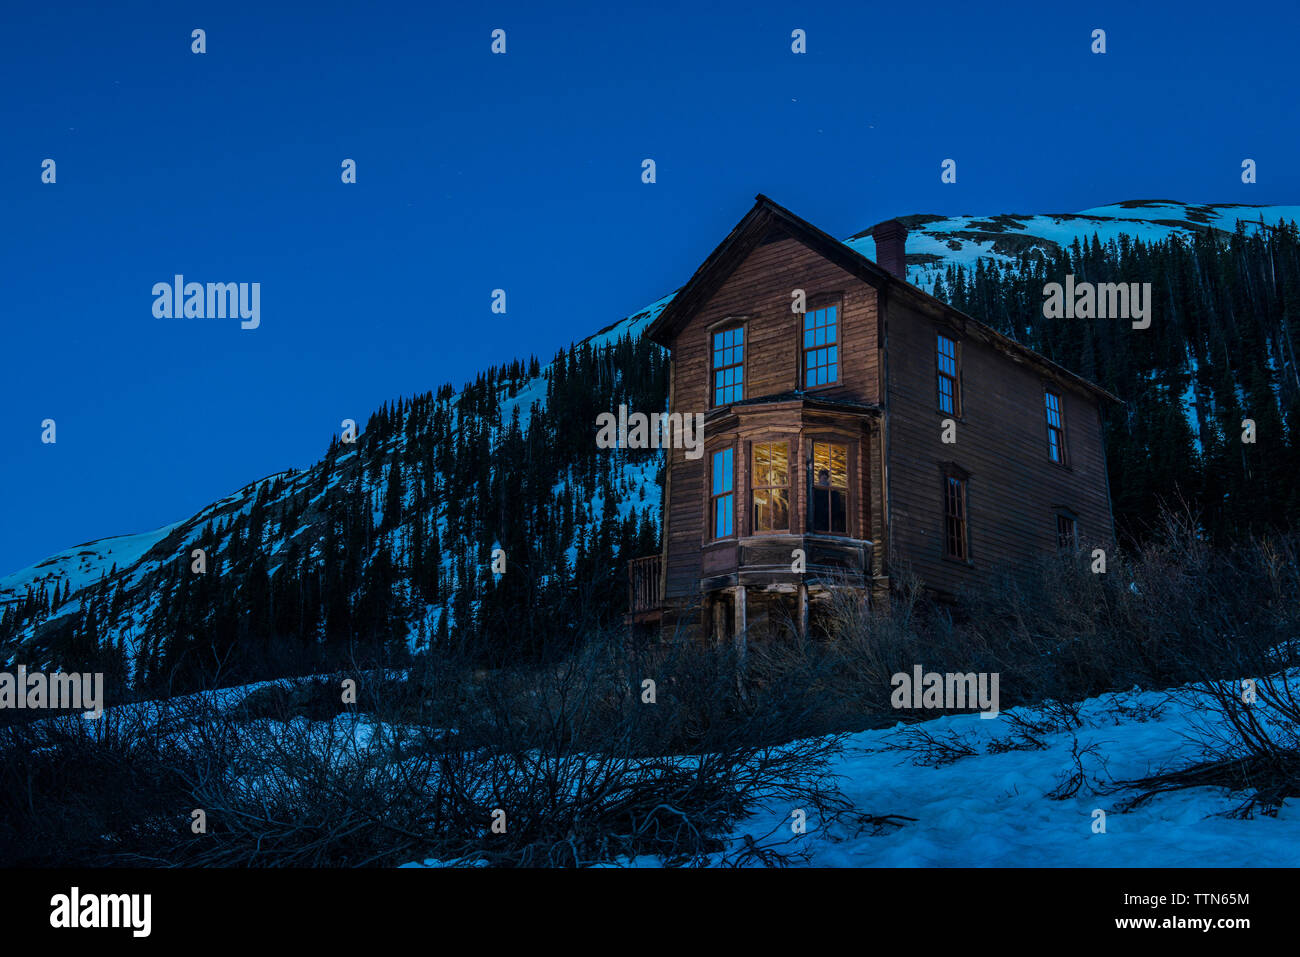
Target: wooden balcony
[644,594]
[765,561]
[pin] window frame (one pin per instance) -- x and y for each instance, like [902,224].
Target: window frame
[815,304]
[950,472]
[940,375]
[1057,430]
[850,500]
[1066,515]
[715,495]
[729,324]
[754,487]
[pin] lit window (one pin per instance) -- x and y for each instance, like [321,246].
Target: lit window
[724,499]
[830,491]
[771,481]
[729,366]
[821,352]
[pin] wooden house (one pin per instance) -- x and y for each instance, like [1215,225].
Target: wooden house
[853,424]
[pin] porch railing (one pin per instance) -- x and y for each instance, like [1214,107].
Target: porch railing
[643,575]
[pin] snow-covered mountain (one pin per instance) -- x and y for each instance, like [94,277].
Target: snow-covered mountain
[131,567]
[936,242]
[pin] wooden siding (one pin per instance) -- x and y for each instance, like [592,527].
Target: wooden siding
[1013,488]
[758,292]
[887,358]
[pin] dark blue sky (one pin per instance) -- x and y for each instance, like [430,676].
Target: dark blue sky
[520,172]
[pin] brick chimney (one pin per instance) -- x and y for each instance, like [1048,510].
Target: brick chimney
[891,242]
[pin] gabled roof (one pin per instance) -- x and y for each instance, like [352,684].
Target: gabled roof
[748,235]
[767,216]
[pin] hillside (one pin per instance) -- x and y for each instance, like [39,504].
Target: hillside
[962,792]
[388,543]
[936,242]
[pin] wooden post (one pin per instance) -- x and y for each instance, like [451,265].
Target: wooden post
[719,618]
[742,623]
[803,610]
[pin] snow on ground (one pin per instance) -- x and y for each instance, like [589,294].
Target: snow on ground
[532,393]
[986,810]
[991,810]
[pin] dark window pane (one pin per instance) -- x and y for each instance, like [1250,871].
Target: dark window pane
[830,499]
[954,503]
[839,511]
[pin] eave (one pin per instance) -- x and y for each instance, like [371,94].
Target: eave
[766,216]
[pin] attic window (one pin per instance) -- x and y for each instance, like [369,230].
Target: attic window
[729,365]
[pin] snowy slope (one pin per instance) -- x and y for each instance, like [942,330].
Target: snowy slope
[993,809]
[934,243]
[85,564]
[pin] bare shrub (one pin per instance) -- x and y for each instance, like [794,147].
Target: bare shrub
[1173,611]
[1077,777]
[1250,746]
[569,757]
[928,748]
